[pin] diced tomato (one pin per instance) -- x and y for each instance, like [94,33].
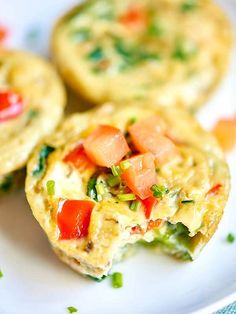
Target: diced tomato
[11,105]
[140,175]
[225,132]
[73,218]
[106,146]
[215,190]
[79,159]
[147,137]
[3,34]
[149,203]
[137,230]
[153,224]
[134,18]
[152,124]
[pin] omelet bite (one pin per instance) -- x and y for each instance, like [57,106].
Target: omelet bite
[168,52]
[116,176]
[32,100]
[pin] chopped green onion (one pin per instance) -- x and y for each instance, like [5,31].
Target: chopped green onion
[155,30]
[101,189]
[184,51]
[132,120]
[159,190]
[187,201]
[72,309]
[188,5]
[230,238]
[43,155]
[91,188]
[117,280]
[113,180]
[1,274]
[126,197]
[134,206]
[96,54]
[51,187]
[32,114]
[125,165]
[116,171]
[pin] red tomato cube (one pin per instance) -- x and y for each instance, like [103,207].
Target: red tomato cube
[141,175]
[79,159]
[147,136]
[106,146]
[73,218]
[149,203]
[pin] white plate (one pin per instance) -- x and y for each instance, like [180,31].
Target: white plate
[36,282]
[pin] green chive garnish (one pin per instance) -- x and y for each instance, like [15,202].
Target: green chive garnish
[126,197]
[159,190]
[230,238]
[134,206]
[116,171]
[155,30]
[100,187]
[91,188]
[187,201]
[125,165]
[96,54]
[188,6]
[113,180]
[132,120]
[51,187]
[1,274]
[184,51]
[72,309]
[117,280]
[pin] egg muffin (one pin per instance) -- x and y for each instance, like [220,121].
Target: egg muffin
[167,52]
[114,176]
[32,100]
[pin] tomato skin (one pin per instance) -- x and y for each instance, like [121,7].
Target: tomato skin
[141,175]
[148,136]
[149,203]
[134,18]
[11,105]
[73,218]
[79,159]
[214,190]
[225,132]
[106,146]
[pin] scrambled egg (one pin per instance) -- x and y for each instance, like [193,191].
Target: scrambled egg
[186,225]
[168,52]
